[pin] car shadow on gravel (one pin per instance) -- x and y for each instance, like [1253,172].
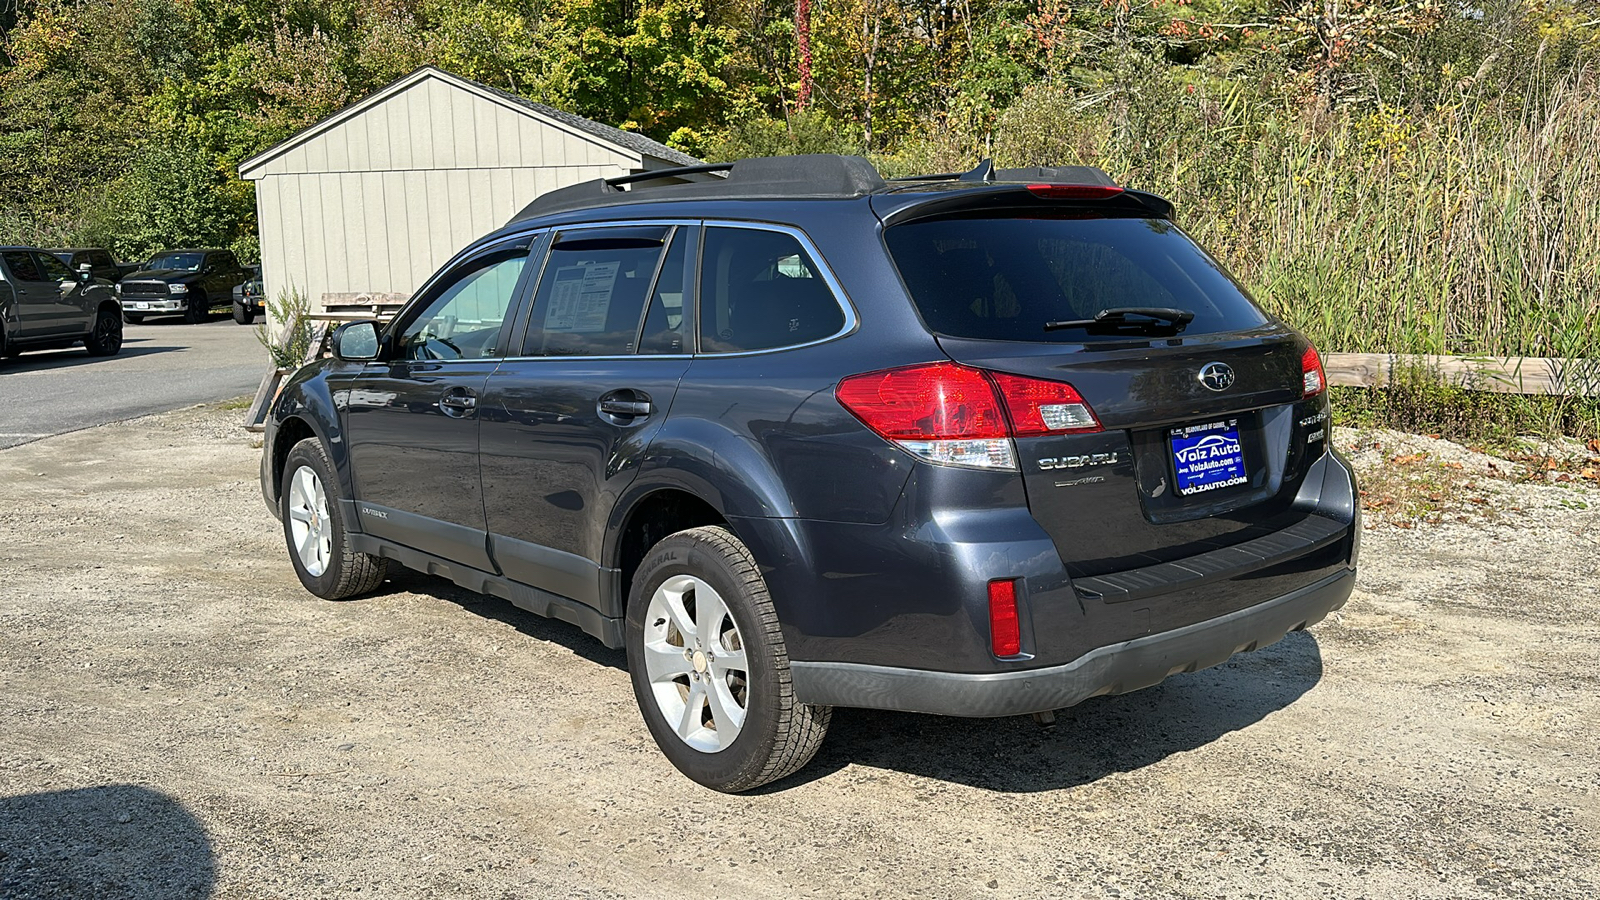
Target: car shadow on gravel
[114,841]
[552,631]
[1099,737]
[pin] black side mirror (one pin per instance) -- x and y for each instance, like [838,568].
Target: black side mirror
[356,341]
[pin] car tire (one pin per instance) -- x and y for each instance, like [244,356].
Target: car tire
[242,315]
[198,309]
[6,349]
[313,528]
[684,583]
[106,338]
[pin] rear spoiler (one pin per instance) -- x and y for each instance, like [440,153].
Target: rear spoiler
[926,199]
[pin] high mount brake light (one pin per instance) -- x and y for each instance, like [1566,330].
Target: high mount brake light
[956,415]
[1314,377]
[1074,191]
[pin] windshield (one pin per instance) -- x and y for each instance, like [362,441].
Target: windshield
[184,262]
[1004,279]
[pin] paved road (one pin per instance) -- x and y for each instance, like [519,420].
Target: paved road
[163,365]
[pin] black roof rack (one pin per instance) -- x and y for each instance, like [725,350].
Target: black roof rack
[817,176]
[677,172]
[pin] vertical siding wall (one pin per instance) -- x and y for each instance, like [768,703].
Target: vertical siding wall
[381,200]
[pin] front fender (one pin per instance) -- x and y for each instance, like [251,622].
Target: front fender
[311,396]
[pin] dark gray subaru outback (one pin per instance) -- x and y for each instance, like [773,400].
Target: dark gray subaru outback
[977,444]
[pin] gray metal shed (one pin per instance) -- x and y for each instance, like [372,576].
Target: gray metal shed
[376,197]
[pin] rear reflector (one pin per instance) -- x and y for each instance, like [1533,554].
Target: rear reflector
[956,415]
[1005,631]
[1316,380]
[1074,191]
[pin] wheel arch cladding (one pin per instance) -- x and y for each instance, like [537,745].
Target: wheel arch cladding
[291,431]
[306,397]
[652,516]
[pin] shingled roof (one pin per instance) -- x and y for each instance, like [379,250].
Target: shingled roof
[630,139]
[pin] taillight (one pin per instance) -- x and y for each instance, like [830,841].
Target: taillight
[1074,191]
[1314,378]
[1044,407]
[957,415]
[1005,629]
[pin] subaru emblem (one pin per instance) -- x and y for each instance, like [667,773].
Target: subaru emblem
[1217,376]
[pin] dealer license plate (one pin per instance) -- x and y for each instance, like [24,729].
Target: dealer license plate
[141,306]
[1207,457]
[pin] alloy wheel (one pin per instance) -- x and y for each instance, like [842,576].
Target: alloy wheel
[695,661]
[309,525]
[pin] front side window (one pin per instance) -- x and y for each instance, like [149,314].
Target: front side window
[760,290]
[465,318]
[53,268]
[593,291]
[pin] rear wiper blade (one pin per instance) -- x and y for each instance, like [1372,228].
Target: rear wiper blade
[1145,317]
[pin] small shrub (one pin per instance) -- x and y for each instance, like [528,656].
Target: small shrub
[289,344]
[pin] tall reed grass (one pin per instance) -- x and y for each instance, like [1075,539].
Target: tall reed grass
[1471,228]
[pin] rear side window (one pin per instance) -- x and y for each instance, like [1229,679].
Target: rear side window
[592,294]
[664,321]
[1003,278]
[22,266]
[760,290]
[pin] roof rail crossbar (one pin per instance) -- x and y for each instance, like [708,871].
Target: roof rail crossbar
[637,177]
[942,176]
[983,171]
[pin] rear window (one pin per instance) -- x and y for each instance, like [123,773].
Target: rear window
[1002,279]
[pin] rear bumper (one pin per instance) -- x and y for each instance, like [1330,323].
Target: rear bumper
[1113,669]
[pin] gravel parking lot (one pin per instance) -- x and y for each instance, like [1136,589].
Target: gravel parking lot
[179,719]
[164,364]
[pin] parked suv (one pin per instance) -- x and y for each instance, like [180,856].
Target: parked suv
[45,306]
[983,444]
[187,282]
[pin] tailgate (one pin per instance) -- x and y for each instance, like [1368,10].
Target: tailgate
[1114,500]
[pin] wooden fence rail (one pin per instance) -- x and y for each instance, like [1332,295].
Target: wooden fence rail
[1501,374]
